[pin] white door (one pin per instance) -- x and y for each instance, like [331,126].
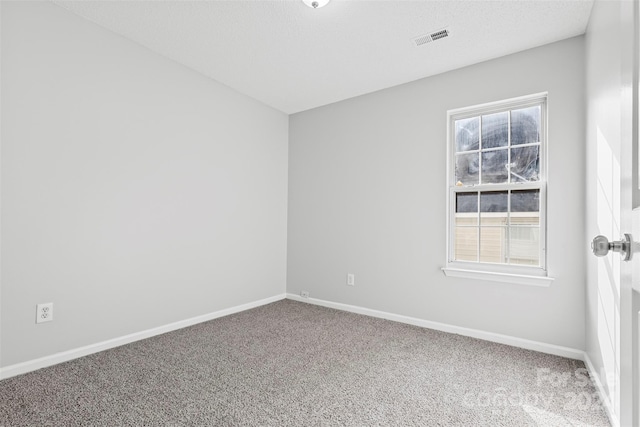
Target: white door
[629,298]
[630,276]
[613,205]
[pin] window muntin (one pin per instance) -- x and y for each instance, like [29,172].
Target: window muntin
[498,148]
[497,187]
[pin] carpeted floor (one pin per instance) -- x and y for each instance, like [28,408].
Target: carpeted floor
[295,364]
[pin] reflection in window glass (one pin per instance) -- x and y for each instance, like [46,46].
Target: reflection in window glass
[525,201]
[467,134]
[495,130]
[466,243]
[493,244]
[467,168]
[525,125]
[524,245]
[467,202]
[525,164]
[494,166]
[493,201]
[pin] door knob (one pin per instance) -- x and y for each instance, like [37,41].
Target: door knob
[601,246]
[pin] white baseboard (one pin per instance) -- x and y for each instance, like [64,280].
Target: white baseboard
[474,333]
[54,359]
[604,397]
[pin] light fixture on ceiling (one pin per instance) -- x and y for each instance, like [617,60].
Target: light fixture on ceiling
[315,3]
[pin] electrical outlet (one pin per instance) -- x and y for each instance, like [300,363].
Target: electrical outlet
[44,312]
[351,279]
[304,294]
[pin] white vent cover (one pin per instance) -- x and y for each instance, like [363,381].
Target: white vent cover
[428,38]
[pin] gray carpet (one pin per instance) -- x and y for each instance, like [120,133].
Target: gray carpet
[295,364]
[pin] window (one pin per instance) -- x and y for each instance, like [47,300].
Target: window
[496,189]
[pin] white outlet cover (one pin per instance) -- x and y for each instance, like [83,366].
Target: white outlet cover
[351,279]
[44,312]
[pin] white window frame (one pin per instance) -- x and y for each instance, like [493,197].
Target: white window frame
[508,273]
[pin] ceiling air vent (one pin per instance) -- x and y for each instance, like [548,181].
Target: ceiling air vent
[428,38]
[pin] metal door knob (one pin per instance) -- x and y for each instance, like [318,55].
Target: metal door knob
[601,246]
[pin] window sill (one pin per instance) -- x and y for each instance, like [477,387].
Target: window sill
[518,279]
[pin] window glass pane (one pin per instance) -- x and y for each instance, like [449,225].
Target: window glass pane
[524,245]
[525,201]
[467,134]
[525,164]
[493,209]
[466,244]
[524,218]
[493,201]
[494,167]
[495,130]
[466,202]
[466,219]
[525,125]
[467,169]
[525,208]
[493,244]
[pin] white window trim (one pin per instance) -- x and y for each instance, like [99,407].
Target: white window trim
[516,274]
[492,276]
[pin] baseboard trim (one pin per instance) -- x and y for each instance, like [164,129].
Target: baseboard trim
[604,397]
[65,356]
[557,350]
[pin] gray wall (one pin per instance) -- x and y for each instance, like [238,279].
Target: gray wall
[135,192]
[367,189]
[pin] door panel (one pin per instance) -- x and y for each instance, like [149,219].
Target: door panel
[613,198]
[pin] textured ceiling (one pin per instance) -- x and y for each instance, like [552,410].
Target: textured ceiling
[294,58]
